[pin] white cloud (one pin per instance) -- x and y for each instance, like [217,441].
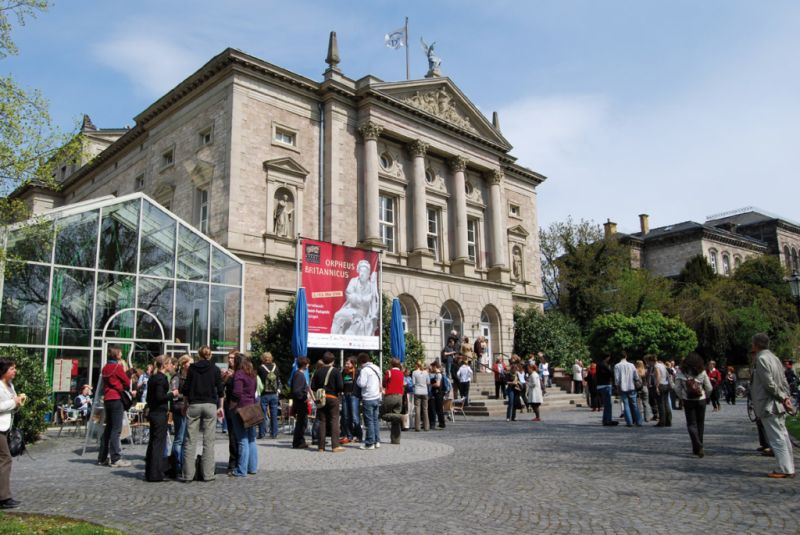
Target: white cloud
[153,65]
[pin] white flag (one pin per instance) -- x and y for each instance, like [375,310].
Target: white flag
[396,39]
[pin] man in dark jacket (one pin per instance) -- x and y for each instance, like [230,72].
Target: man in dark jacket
[114,382]
[203,394]
[329,378]
[605,381]
[299,403]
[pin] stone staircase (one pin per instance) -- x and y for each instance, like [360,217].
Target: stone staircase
[482,402]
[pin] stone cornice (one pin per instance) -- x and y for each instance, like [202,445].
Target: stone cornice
[417,148]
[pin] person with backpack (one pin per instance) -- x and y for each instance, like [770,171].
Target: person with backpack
[270,387]
[327,381]
[693,387]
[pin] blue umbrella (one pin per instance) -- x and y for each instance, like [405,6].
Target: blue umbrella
[396,333]
[300,329]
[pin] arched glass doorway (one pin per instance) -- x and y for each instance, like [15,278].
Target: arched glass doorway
[450,319]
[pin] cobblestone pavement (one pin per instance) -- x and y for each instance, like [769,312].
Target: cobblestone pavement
[567,474]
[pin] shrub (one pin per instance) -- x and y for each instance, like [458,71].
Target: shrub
[555,334]
[32,381]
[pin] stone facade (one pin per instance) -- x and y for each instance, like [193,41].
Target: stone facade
[257,156]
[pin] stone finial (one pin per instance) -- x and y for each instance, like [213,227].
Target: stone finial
[458,164]
[333,53]
[87,123]
[495,177]
[496,120]
[417,148]
[370,130]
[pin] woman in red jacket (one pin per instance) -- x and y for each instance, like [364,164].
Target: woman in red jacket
[394,389]
[115,380]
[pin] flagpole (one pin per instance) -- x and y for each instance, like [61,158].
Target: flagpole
[406,32]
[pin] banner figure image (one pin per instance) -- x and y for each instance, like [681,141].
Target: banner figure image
[359,313]
[343,295]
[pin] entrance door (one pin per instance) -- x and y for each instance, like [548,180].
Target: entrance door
[486,332]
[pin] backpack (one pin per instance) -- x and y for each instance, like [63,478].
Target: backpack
[272,379]
[694,389]
[445,384]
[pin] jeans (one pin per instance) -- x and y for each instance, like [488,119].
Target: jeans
[200,415]
[695,410]
[248,452]
[421,413]
[511,410]
[110,443]
[351,416]
[465,392]
[630,406]
[371,421]
[604,391]
[179,423]
[664,409]
[271,401]
[778,438]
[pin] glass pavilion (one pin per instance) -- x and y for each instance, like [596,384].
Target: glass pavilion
[117,271]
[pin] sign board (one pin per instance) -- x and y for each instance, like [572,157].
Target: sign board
[62,375]
[343,294]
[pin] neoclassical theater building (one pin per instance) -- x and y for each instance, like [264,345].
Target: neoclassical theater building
[254,156]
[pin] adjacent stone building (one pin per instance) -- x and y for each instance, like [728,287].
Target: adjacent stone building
[725,241]
[256,156]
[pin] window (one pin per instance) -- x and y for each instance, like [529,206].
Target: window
[202,209]
[472,240]
[794,259]
[386,221]
[433,233]
[712,259]
[139,181]
[386,161]
[168,158]
[737,261]
[206,136]
[430,176]
[468,188]
[513,210]
[285,136]
[726,265]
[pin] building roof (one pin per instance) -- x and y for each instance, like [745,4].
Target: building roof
[691,227]
[747,216]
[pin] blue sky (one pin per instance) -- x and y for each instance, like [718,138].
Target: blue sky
[679,109]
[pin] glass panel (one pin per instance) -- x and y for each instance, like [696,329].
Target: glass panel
[114,293]
[80,369]
[23,316]
[118,237]
[191,314]
[193,254]
[155,295]
[144,353]
[33,242]
[76,240]
[158,242]
[225,269]
[71,307]
[225,318]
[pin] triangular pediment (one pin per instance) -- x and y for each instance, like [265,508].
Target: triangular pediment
[442,99]
[286,165]
[519,230]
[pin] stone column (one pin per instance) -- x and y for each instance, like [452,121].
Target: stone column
[497,270]
[458,165]
[371,131]
[418,245]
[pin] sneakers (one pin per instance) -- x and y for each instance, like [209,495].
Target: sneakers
[377,445]
[366,447]
[10,503]
[344,440]
[103,463]
[121,463]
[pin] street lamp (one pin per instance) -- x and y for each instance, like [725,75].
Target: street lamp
[794,286]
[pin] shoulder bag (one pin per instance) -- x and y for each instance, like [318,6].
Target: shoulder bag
[251,415]
[319,393]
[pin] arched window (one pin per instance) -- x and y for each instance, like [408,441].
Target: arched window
[450,319]
[726,265]
[410,311]
[712,259]
[787,257]
[737,261]
[794,260]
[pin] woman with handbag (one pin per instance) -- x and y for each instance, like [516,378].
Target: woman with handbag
[115,384]
[693,387]
[513,389]
[10,403]
[158,398]
[244,395]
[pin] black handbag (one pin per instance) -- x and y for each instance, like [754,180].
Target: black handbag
[16,442]
[126,398]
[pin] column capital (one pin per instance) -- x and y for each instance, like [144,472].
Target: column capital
[495,177]
[417,148]
[458,163]
[370,130]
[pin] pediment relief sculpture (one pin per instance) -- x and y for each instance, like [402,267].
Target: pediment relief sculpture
[439,103]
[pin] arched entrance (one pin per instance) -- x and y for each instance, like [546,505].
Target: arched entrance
[450,319]
[490,329]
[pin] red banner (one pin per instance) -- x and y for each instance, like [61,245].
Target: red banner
[343,293]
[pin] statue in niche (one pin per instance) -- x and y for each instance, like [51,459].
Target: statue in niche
[516,263]
[282,216]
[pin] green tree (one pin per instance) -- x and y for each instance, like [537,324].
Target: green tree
[696,272]
[552,332]
[275,335]
[553,244]
[32,381]
[637,290]
[765,272]
[649,332]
